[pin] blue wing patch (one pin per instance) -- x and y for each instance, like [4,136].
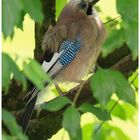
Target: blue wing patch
[70,49]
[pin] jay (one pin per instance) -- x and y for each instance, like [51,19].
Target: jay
[75,40]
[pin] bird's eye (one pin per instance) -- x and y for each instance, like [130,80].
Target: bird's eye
[83,5]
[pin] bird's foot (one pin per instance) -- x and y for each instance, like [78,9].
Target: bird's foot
[60,92]
[80,82]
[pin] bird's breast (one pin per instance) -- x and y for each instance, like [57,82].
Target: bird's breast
[90,33]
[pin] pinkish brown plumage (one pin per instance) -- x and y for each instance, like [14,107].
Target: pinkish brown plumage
[74,21]
[79,23]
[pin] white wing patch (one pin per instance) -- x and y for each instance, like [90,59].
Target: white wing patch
[47,65]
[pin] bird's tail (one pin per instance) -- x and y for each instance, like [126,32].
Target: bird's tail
[27,114]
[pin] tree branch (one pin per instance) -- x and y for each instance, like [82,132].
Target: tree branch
[49,13]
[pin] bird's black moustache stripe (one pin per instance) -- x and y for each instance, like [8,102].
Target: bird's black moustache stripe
[89,10]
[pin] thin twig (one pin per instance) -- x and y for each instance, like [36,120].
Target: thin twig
[132,82]
[112,108]
[116,18]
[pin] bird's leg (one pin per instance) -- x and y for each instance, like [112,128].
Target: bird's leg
[60,92]
[80,81]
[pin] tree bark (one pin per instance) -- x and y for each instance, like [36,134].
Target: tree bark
[49,13]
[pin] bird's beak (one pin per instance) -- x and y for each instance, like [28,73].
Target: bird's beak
[93,2]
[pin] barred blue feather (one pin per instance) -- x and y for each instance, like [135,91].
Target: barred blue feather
[70,49]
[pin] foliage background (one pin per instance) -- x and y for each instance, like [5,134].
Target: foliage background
[21,47]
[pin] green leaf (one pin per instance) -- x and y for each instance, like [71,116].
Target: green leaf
[117,111]
[112,43]
[34,9]
[112,24]
[100,135]
[100,114]
[130,23]
[123,6]
[11,16]
[128,31]
[71,122]
[102,86]
[117,134]
[131,36]
[59,6]
[7,137]
[20,24]
[133,79]
[56,104]
[18,74]
[35,73]
[129,111]
[105,82]
[123,89]
[87,131]
[9,67]
[12,126]
[5,72]
[108,132]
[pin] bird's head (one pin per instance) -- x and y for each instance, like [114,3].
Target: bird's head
[84,5]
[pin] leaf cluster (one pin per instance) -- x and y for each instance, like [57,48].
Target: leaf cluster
[105,83]
[13,13]
[126,30]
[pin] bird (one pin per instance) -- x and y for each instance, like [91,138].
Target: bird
[75,40]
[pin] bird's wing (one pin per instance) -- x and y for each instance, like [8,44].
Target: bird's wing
[54,37]
[65,56]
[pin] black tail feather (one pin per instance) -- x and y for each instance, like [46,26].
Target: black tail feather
[27,114]
[31,104]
